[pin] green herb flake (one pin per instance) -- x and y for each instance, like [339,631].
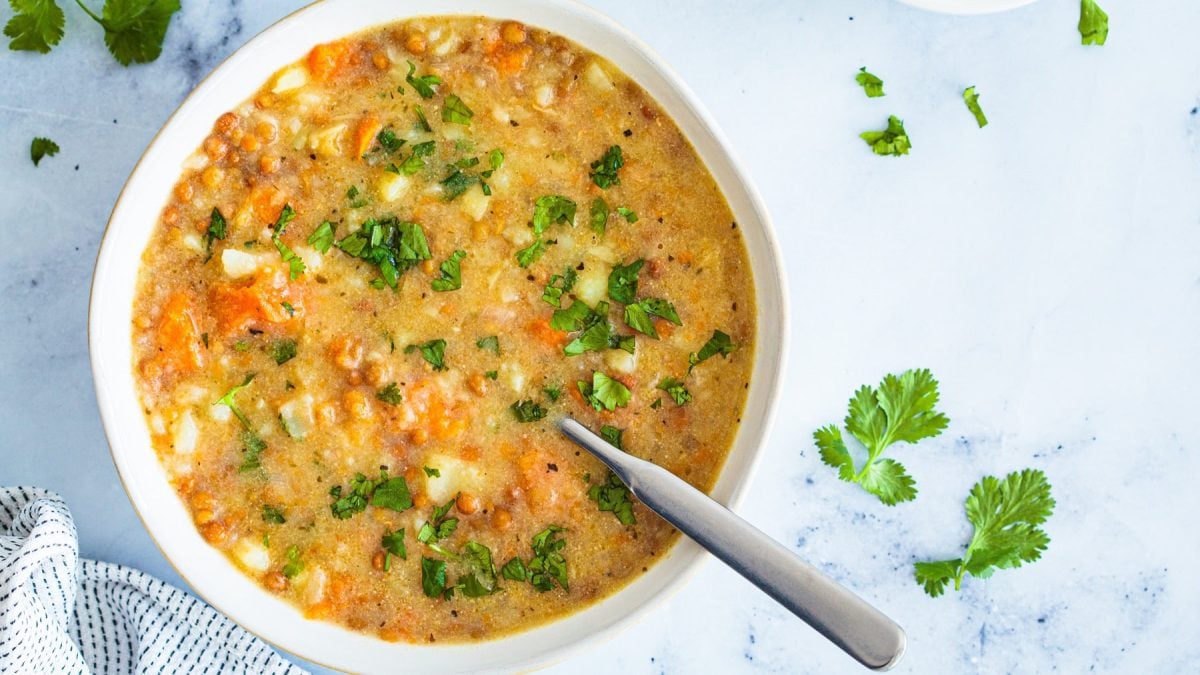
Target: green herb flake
[612,496]
[491,374]
[273,515]
[454,110]
[217,229]
[432,473]
[1093,23]
[527,411]
[433,577]
[490,343]
[892,141]
[551,209]
[391,245]
[392,493]
[559,285]
[37,26]
[393,543]
[434,352]
[322,237]
[530,254]
[553,392]
[283,350]
[451,273]
[719,343]
[598,216]
[872,85]
[40,147]
[134,29]
[623,282]
[495,159]
[628,214]
[604,170]
[424,85]
[676,390]
[548,565]
[390,394]
[971,98]
[294,565]
[604,392]
[456,183]
[514,570]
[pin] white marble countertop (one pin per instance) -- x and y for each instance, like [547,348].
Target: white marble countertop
[1046,268]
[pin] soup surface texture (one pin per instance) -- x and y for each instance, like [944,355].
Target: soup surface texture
[381,280]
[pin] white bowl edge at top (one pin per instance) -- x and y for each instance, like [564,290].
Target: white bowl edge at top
[111,313]
[968,6]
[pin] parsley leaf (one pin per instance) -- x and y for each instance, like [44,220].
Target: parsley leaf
[551,209]
[424,85]
[612,496]
[553,392]
[871,84]
[433,577]
[217,229]
[892,141]
[490,343]
[613,436]
[451,279]
[295,263]
[604,392]
[273,515]
[41,147]
[530,254]
[1093,23]
[628,214]
[559,285]
[548,564]
[283,350]
[576,316]
[322,237]
[252,449]
[604,170]
[719,343]
[455,183]
[972,100]
[1007,515]
[599,215]
[134,29]
[392,245]
[675,390]
[346,505]
[434,352]
[390,394]
[637,315]
[527,411]
[480,579]
[454,110]
[393,543]
[623,282]
[392,493]
[514,570]
[37,26]
[227,400]
[901,410]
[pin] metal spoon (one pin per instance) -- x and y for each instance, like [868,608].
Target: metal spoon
[847,620]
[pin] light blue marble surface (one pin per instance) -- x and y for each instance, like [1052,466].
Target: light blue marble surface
[1047,268]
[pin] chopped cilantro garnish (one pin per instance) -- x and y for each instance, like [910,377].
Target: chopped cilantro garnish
[1093,23]
[530,254]
[227,400]
[491,374]
[627,214]
[454,110]
[548,564]
[273,515]
[451,273]
[393,543]
[657,403]
[604,392]
[390,394]
[514,570]
[438,527]
[551,209]
[241,346]
[495,159]
[871,84]
[892,141]
[434,352]
[598,216]
[40,147]
[288,307]
[676,390]
[972,100]
[612,496]
[294,565]
[392,245]
[719,343]
[604,170]
[346,505]
[490,343]
[623,282]
[559,285]
[527,411]
[637,315]
[295,264]
[252,448]
[356,198]
[432,473]
[283,350]
[422,121]
[392,493]
[388,140]
[424,85]
[455,183]
[613,436]
[322,237]
[480,579]
[553,392]
[217,229]
[433,577]
[577,316]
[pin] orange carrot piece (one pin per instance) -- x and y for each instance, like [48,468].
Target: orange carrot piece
[364,135]
[325,60]
[540,328]
[178,337]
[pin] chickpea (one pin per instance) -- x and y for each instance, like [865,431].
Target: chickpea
[478,384]
[380,60]
[266,131]
[379,373]
[268,164]
[211,177]
[501,518]
[250,143]
[215,148]
[184,191]
[203,500]
[264,100]
[415,43]
[467,503]
[512,32]
[275,581]
[227,123]
[214,532]
[357,404]
[170,215]
[347,352]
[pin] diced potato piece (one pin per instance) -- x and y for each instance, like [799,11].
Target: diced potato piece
[313,582]
[391,186]
[253,555]
[296,415]
[514,377]
[292,78]
[193,242]
[456,476]
[312,259]
[592,284]
[220,413]
[595,76]
[237,263]
[454,132]
[474,203]
[620,360]
[157,425]
[186,433]
[543,96]
[328,141]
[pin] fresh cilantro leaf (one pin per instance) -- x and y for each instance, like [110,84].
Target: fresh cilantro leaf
[392,245]
[480,579]
[288,307]
[422,121]
[388,140]
[1007,515]
[424,85]
[871,84]
[575,317]
[252,449]
[676,390]
[455,183]
[322,237]
[972,100]
[217,228]
[900,410]
[37,26]
[637,315]
[392,493]
[416,161]
[294,565]
[134,29]
[283,350]
[628,214]
[527,411]
[604,392]
[41,147]
[892,141]
[433,577]
[451,270]
[548,564]
[551,209]
[490,343]
[613,436]
[355,501]
[597,334]
[553,392]
[432,473]
[623,282]
[273,515]
[295,262]
[434,352]
[454,110]
[1093,23]
[356,198]
[719,343]
[657,403]
[393,543]
[559,285]
[530,254]
[227,400]
[496,159]
[491,374]
[612,496]
[514,570]
[599,216]
[604,170]
[390,394]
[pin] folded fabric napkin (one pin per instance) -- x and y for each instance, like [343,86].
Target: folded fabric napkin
[61,614]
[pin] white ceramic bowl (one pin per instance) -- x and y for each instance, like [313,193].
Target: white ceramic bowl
[968,6]
[129,229]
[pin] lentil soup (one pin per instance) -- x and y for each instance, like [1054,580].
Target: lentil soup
[378,283]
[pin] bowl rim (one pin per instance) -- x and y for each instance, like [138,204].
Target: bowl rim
[967,7]
[768,273]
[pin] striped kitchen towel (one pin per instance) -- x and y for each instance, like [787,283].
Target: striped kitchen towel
[61,614]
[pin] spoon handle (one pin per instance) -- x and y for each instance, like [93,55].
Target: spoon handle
[848,621]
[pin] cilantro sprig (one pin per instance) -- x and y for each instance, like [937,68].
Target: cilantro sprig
[37,26]
[134,30]
[900,410]
[1007,515]
[1093,23]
